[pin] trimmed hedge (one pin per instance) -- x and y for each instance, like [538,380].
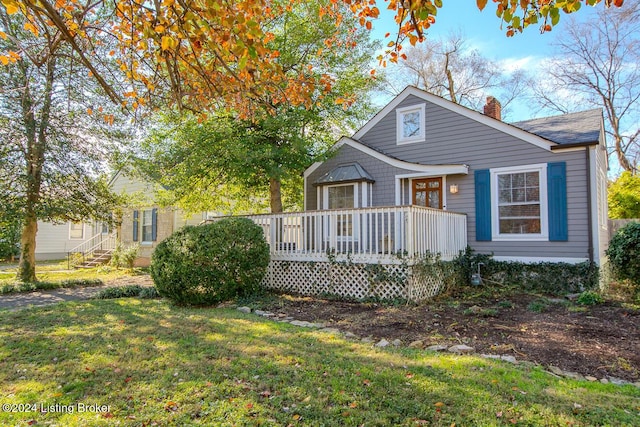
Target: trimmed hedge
[624,253]
[624,259]
[555,278]
[211,263]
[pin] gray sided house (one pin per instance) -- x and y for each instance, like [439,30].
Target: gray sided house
[530,191]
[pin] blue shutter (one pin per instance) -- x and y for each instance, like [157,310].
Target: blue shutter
[557,197]
[483,205]
[154,224]
[136,220]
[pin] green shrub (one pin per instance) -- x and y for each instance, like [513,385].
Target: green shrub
[211,263]
[624,254]
[589,298]
[538,305]
[124,257]
[554,278]
[128,291]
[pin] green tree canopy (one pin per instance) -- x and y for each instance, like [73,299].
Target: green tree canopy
[624,197]
[231,163]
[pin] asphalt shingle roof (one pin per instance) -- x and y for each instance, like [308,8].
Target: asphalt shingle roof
[571,128]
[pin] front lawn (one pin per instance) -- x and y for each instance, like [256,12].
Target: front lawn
[52,275]
[141,362]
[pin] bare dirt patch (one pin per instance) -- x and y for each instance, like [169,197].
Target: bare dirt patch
[599,341]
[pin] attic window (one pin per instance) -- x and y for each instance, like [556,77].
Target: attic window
[410,124]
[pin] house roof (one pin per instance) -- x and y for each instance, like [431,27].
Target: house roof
[573,128]
[345,173]
[550,133]
[426,170]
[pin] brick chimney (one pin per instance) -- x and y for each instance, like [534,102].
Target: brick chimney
[493,108]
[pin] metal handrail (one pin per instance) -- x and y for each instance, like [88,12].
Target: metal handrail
[87,248]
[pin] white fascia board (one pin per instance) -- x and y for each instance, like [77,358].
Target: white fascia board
[458,109]
[308,171]
[435,170]
[534,260]
[593,204]
[114,177]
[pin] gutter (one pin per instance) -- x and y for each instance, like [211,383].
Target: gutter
[589,204]
[574,145]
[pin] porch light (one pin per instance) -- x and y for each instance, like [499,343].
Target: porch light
[453,188]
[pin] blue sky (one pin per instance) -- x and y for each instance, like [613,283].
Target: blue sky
[483,32]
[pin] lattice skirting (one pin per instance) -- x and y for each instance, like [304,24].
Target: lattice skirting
[353,280]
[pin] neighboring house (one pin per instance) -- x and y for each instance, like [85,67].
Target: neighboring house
[426,175]
[148,224]
[54,241]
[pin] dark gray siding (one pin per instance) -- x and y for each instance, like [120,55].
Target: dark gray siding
[383,190]
[455,139]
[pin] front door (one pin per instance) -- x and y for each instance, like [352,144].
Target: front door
[427,192]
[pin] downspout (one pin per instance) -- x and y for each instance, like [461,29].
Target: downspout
[589,204]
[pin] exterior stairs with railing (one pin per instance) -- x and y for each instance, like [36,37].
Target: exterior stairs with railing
[92,253]
[97,258]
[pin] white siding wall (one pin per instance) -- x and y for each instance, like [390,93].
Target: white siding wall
[53,242]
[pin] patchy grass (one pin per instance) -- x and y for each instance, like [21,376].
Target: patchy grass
[55,275]
[155,364]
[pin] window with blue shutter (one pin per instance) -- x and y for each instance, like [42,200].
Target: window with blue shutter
[154,224]
[483,205]
[557,195]
[136,220]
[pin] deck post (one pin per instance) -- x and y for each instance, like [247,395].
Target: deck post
[410,231]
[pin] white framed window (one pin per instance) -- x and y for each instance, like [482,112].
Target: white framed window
[341,196]
[76,230]
[147,225]
[519,203]
[410,124]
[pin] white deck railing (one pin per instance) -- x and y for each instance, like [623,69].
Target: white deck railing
[365,235]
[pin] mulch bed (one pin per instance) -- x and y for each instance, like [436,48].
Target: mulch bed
[601,341]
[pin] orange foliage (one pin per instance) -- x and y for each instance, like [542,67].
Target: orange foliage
[211,53]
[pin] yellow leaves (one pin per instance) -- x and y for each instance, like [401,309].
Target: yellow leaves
[159,29]
[171,406]
[167,43]
[31,28]
[3,35]
[11,57]
[481,4]
[10,6]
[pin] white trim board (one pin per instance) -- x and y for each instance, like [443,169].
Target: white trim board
[533,259]
[423,170]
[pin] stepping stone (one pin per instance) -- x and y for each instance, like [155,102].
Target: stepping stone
[461,349]
[244,309]
[437,347]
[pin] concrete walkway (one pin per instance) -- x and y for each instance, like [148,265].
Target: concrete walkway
[40,298]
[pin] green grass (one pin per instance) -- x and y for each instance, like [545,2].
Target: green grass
[155,364]
[52,275]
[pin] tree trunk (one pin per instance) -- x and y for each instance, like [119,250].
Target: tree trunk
[27,265]
[36,133]
[275,195]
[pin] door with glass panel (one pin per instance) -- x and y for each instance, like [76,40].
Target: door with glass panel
[427,192]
